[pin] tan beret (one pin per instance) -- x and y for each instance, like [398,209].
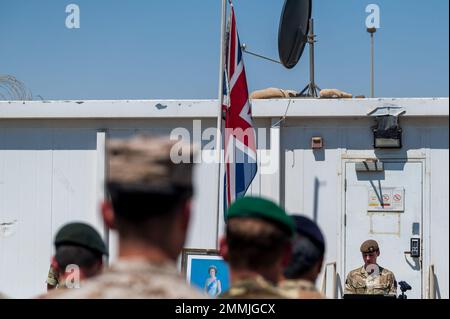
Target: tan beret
[150,162]
[369,246]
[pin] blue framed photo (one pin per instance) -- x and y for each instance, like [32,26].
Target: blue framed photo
[206,269]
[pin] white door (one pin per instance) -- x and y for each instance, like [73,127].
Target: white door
[385,205]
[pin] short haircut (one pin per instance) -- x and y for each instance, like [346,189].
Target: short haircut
[83,257]
[254,243]
[138,204]
[145,213]
[305,255]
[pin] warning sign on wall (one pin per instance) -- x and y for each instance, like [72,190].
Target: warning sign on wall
[386,199]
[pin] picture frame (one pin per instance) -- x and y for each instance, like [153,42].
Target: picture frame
[206,270]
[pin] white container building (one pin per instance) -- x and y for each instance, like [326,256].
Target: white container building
[52,171]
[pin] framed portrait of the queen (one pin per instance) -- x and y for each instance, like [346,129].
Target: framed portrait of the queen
[206,270]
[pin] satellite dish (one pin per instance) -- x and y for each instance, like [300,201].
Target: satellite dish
[293,31]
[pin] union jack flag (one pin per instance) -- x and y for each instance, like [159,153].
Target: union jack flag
[239,136]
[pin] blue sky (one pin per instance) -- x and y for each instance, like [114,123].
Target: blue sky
[169,49]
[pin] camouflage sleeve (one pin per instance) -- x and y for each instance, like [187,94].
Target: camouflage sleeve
[52,277]
[393,285]
[349,288]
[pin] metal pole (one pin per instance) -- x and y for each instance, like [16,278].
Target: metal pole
[372,61]
[431,283]
[312,84]
[372,85]
[219,114]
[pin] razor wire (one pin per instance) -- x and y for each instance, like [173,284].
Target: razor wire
[12,89]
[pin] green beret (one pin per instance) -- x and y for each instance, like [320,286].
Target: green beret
[256,207]
[80,234]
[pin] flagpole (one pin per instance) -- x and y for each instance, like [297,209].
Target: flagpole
[219,115]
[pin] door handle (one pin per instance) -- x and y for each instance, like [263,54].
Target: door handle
[414,248]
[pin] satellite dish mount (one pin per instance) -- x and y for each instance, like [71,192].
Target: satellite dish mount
[311,90]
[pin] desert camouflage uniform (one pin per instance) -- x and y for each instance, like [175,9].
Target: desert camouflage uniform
[52,277]
[253,288]
[61,289]
[133,279]
[359,281]
[300,289]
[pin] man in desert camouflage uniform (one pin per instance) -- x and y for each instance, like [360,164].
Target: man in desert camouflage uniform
[150,198]
[371,278]
[307,259]
[257,247]
[52,278]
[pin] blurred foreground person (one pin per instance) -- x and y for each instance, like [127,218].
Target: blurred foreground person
[150,203]
[307,259]
[257,247]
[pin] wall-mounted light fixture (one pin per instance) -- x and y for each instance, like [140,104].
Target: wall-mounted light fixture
[387,132]
[316,142]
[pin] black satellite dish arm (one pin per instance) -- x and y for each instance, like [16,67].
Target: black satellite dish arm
[245,50]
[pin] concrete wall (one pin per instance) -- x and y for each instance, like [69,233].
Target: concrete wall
[52,169]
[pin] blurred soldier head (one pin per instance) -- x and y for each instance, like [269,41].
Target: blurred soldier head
[258,238]
[370,252]
[79,251]
[150,196]
[308,250]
